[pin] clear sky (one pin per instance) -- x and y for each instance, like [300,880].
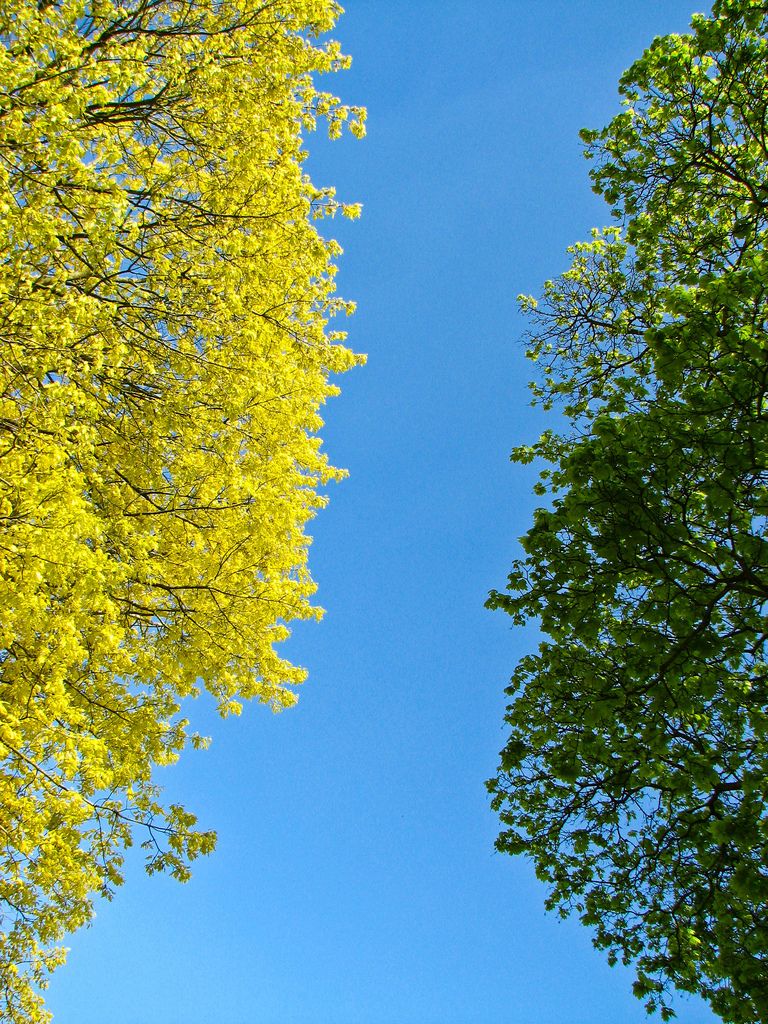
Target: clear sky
[355,880]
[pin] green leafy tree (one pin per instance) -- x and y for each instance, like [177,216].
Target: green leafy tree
[636,772]
[164,301]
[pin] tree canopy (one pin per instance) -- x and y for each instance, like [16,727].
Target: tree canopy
[165,300]
[636,771]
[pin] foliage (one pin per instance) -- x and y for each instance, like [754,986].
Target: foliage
[636,771]
[164,299]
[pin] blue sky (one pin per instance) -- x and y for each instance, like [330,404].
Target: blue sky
[355,880]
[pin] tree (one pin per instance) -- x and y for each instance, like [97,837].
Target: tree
[636,771]
[165,301]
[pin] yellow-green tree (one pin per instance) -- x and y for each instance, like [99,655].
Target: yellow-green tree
[165,301]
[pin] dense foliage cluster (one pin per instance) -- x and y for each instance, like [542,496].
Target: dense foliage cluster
[164,301]
[636,772]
